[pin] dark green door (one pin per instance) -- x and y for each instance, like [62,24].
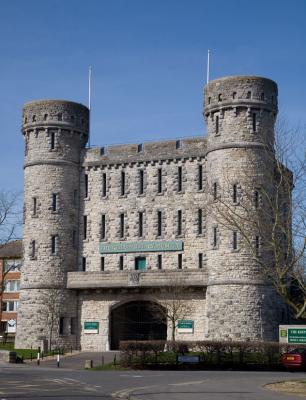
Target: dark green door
[140,263]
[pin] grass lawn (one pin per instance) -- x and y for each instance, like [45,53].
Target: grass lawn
[22,353]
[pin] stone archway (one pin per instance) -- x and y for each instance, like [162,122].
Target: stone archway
[135,321]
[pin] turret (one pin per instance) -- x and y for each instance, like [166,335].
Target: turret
[55,133]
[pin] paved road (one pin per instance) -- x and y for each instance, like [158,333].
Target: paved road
[49,383]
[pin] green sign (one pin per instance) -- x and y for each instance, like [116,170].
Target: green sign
[91,327]
[139,247]
[297,335]
[185,324]
[283,333]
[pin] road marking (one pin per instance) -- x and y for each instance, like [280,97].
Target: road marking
[187,383]
[124,393]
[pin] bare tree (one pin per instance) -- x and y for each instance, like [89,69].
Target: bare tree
[171,304]
[268,215]
[51,313]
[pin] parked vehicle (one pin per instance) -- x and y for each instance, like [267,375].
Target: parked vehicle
[295,359]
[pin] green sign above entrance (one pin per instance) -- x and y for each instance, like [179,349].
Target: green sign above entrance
[140,247]
[297,335]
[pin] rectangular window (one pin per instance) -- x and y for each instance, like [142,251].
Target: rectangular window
[217,124]
[12,265]
[61,326]
[200,260]
[159,223]
[200,177]
[122,225]
[54,244]
[235,240]
[140,224]
[141,181]
[179,179]
[12,286]
[256,199]
[159,261]
[33,249]
[234,193]
[179,222]
[215,191]
[200,221]
[52,140]
[257,245]
[73,326]
[10,306]
[102,263]
[159,181]
[121,263]
[85,227]
[103,227]
[54,201]
[254,122]
[215,236]
[122,183]
[74,239]
[179,261]
[104,187]
[83,263]
[34,211]
[86,185]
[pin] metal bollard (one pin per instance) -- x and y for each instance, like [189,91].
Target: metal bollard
[38,358]
[58,360]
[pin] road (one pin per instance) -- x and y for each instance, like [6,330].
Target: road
[50,383]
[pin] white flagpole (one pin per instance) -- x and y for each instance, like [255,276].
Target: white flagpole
[208,66]
[89,101]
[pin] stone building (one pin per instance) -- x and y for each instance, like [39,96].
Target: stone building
[10,266]
[111,231]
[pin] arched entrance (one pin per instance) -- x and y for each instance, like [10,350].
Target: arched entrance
[137,320]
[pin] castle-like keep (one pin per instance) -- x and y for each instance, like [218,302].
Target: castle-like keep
[110,231]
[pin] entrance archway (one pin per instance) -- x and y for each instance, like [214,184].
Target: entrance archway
[137,320]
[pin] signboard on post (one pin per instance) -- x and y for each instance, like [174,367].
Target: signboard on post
[91,327]
[185,326]
[292,334]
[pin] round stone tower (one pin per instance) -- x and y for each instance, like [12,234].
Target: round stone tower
[55,133]
[240,114]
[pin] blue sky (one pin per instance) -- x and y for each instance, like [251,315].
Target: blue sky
[149,63]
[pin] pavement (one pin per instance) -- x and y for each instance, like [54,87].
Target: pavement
[70,381]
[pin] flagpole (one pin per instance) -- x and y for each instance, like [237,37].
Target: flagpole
[208,66]
[89,101]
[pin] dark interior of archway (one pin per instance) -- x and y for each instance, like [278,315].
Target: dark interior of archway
[137,320]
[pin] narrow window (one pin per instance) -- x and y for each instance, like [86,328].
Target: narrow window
[121,263]
[254,122]
[234,193]
[178,144]
[200,223]
[122,183]
[249,95]
[102,263]
[54,244]
[85,227]
[52,140]
[34,118]
[104,188]
[86,185]
[215,237]
[179,261]
[215,191]
[33,249]
[262,96]
[159,223]
[179,222]
[103,227]
[121,225]
[257,245]
[235,240]
[34,205]
[179,179]
[200,177]
[59,117]
[74,238]
[61,326]
[102,151]
[256,199]
[140,148]
[140,224]
[209,100]
[45,117]
[54,202]
[141,181]
[159,261]
[234,95]
[220,97]
[75,197]
[200,260]
[83,263]
[159,183]
[217,124]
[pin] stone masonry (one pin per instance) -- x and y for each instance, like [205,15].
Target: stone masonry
[78,199]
